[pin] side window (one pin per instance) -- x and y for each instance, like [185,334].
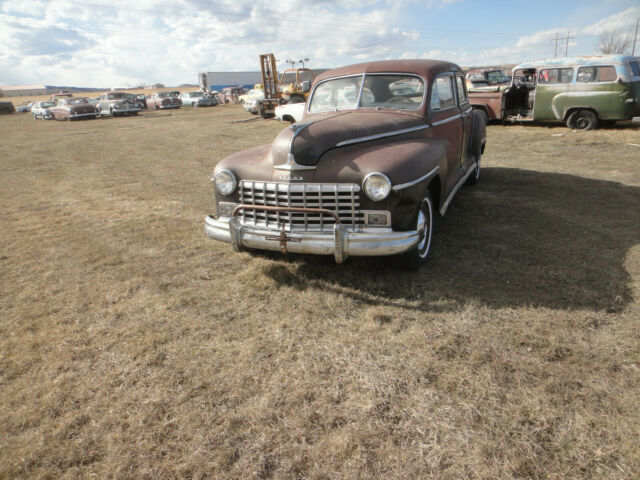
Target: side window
[462,92]
[596,74]
[442,93]
[555,75]
[635,69]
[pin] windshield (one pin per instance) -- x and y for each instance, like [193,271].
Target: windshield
[114,96]
[76,101]
[165,94]
[195,95]
[497,76]
[403,92]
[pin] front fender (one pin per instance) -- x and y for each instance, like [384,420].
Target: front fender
[410,164]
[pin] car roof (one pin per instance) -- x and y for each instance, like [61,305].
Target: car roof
[424,68]
[576,61]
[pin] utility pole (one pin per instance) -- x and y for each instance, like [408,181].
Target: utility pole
[635,37]
[566,45]
[555,52]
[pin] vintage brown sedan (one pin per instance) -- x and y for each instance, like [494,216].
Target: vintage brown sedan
[73,108]
[164,100]
[382,147]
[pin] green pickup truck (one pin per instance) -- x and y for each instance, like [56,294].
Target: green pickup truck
[584,92]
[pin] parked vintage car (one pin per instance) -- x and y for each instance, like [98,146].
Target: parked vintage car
[73,108]
[290,112]
[7,108]
[117,104]
[164,100]
[230,94]
[198,99]
[24,107]
[582,92]
[364,171]
[256,92]
[141,99]
[251,100]
[42,110]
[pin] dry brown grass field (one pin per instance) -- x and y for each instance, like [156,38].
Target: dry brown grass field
[133,347]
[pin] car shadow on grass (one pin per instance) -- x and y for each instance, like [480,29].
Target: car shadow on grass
[518,238]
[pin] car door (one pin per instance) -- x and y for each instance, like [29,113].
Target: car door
[467,121]
[446,124]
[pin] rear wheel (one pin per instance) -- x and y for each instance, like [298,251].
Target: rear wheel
[583,120]
[416,257]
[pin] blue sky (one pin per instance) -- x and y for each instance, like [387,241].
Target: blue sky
[105,43]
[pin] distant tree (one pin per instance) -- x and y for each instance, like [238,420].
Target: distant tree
[614,41]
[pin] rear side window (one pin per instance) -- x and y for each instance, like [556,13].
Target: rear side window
[442,94]
[555,75]
[462,93]
[597,74]
[635,69]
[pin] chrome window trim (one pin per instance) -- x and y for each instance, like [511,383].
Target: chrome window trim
[401,186]
[567,67]
[315,87]
[381,135]
[364,78]
[595,66]
[464,87]
[451,75]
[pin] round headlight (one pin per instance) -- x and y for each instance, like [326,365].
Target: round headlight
[225,182]
[377,186]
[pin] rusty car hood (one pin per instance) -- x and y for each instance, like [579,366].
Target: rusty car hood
[317,134]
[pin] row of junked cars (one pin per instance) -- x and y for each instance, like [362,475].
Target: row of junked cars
[64,106]
[583,92]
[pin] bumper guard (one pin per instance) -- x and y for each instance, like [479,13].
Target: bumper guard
[342,242]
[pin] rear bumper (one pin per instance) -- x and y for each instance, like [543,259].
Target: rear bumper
[340,243]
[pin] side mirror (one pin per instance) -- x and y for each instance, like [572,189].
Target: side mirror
[305,86]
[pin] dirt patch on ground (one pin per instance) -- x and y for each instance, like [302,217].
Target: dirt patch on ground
[131,346]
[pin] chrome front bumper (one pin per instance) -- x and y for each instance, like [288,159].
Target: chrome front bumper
[341,242]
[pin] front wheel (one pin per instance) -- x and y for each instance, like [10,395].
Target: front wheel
[416,257]
[583,120]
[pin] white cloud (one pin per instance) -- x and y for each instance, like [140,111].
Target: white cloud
[622,21]
[122,42]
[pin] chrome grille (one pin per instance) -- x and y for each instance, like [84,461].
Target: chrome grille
[344,199]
